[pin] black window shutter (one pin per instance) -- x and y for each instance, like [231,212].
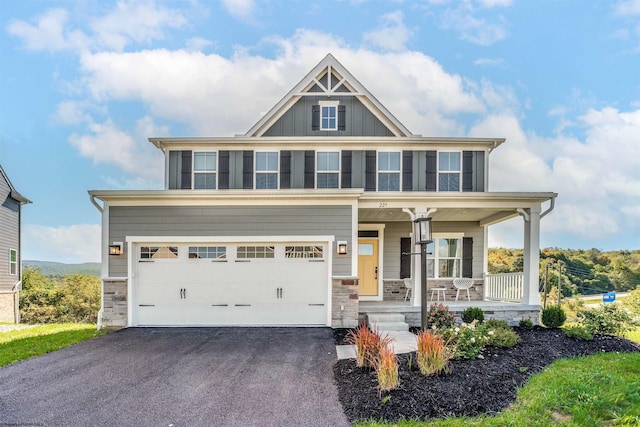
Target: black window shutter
[315,117]
[285,169]
[185,177]
[309,169]
[432,173]
[247,170]
[342,116]
[467,171]
[405,257]
[223,170]
[370,171]
[346,169]
[407,170]
[467,257]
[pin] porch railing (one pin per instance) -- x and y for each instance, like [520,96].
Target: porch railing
[504,286]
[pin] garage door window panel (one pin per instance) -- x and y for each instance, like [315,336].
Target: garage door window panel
[158,252]
[312,252]
[208,252]
[255,252]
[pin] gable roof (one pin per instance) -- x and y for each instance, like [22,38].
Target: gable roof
[13,194]
[329,77]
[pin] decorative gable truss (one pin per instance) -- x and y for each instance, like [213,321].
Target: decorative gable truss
[329,101]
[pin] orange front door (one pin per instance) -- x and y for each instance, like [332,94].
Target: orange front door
[368,267]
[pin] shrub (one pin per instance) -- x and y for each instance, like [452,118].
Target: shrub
[526,323]
[467,340]
[553,316]
[500,334]
[387,369]
[369,345]
[632,303]
[578,332]
[606,319]
[472,313]
[432,354]
[439,317]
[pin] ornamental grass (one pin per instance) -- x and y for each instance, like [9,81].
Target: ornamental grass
[369,345]
[387,369]
[432,354]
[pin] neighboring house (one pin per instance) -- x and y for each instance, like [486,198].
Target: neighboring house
[10,249]
[307,220]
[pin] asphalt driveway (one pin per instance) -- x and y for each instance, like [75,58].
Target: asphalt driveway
[179,377]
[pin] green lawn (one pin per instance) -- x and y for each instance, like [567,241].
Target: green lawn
[20,344]
[600,390]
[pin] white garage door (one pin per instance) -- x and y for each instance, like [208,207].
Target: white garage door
[230,284]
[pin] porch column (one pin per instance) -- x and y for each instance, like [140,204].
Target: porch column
[530,294]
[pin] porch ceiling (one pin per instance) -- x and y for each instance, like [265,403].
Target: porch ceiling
[486,216]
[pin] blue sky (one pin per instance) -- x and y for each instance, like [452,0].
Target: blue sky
[85,83]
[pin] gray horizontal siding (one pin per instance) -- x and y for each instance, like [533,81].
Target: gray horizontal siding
[359,120]
[393,231]
[229,221]
[9,234]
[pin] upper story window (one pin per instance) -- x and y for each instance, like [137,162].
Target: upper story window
[267,170]
[449,167]
[388,171]
[204,170]
[328,115]
[328,169]
[13,262]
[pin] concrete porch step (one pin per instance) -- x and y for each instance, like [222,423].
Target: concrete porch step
[387,322]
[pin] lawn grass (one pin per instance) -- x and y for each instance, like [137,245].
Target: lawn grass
[599,390]
[20,344]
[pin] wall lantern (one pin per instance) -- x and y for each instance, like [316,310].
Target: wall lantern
[115,249]
[423,231]
[342,248]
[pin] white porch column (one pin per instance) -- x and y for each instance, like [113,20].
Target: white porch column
[530,294]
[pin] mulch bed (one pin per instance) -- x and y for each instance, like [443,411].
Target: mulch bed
[472,388]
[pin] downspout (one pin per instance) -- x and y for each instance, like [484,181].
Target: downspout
[99,321]
[553,204]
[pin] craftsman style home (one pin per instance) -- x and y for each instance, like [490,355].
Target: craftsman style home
[10,249]
[307,219]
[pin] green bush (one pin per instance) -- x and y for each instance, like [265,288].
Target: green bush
[578,332]
[526,323]
[553,317]
[466,341]
[472,313]
[439,317]
[500,334]
[606,319]
[632,302]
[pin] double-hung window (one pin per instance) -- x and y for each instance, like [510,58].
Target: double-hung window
[449,171]
[328,117]
[267,170]
[388,171]
[445,254]
[204,170]
[328,169]
[13,262]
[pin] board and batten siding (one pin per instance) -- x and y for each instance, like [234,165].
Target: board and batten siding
[9,235]
[359,120]
[229,221]
[394,231]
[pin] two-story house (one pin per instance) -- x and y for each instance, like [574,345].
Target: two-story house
[10,249]
[307,219]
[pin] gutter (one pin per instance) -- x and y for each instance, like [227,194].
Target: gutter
[553,204]
[94,203]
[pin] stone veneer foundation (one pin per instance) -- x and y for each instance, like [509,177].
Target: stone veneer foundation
[9,311]
[114,303]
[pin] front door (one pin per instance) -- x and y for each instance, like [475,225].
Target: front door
[368,267]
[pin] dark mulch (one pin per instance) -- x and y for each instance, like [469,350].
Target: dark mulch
[472,388]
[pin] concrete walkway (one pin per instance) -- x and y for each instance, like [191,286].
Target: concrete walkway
[403,342]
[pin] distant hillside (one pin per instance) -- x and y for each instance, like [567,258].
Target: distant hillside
[50,268]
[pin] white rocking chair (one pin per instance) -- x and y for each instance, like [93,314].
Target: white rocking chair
[408,283]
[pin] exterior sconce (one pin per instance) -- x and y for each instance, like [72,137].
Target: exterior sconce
[342,248]
[423,231]
[115,249]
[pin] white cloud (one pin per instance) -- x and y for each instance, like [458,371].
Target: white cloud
[48,33]
[242,9]
[106,143]
[198,44]
[392,35]
[140,22]
[71,113]
[628,8]
[495,3]
[492,62]
[71,244]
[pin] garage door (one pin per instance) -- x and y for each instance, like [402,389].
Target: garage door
[231,284]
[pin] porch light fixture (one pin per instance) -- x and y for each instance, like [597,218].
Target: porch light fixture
[342,248]
[423,238]
[115,249]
